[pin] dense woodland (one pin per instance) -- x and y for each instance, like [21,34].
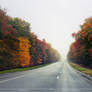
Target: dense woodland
[19,47]
[81,49]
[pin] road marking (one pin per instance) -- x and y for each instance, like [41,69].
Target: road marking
[57,77]
[11,79]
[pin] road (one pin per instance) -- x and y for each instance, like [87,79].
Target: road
[56,77]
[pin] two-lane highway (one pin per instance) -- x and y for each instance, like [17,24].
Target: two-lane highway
[56,77]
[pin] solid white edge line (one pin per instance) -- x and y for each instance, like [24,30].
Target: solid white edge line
[12,79]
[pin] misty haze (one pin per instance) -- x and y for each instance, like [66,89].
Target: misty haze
[45,46]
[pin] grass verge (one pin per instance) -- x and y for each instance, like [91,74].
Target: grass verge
[81,69]
[23,69]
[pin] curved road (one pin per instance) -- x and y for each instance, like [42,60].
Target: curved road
[57,77]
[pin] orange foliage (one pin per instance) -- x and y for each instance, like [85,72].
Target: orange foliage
[24,55]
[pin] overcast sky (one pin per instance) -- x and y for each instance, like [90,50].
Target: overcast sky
[54,20]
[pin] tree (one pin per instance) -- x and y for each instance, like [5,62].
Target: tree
[80,50]
[21,48]
[23,55]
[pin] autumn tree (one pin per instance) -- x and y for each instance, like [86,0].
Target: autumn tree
[23,55]
[80,50]
[7,41]
[19,47]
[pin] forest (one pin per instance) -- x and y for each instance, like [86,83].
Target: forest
[19,47]
[80,51]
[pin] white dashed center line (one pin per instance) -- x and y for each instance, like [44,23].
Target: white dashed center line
[57,77]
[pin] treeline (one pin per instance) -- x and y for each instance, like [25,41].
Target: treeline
[19,47]
[81,49]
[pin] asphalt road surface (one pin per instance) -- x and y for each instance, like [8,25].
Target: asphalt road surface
[56,77]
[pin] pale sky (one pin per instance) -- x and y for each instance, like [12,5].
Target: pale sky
[54,20]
